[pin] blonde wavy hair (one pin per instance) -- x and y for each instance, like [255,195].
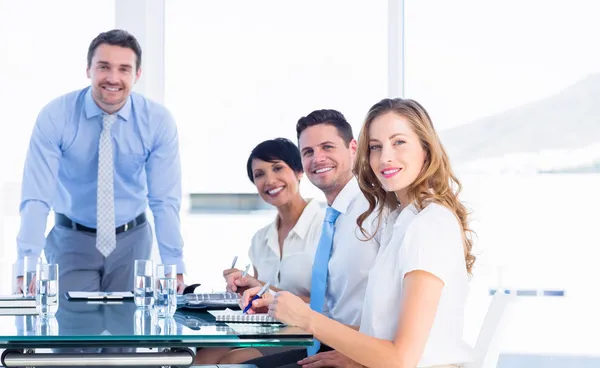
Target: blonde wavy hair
[435,183]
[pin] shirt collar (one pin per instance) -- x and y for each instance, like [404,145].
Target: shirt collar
[346,196]
[398,215]
[300,229]
[92,109]
[272,238]
[310,211]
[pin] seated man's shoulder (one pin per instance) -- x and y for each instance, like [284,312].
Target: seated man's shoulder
[362,205]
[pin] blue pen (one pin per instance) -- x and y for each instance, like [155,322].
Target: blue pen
[234,261]
[257,296]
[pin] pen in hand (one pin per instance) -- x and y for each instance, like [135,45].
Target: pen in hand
[245,273]
[262,291]
[234,261]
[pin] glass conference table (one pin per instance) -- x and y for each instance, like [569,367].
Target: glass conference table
[112,334]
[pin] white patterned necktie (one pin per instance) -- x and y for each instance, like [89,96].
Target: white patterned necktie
[105,213]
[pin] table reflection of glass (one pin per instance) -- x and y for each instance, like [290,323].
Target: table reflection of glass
[145,321]
[46,326]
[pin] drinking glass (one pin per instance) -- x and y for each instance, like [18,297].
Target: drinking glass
[46,291]
[27,270]
[166,290]
[143,283]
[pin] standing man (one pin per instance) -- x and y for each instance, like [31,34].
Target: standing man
[98,157]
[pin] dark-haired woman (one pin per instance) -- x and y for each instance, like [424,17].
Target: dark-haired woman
[282,252]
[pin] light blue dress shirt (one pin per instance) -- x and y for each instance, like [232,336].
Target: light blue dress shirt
[61,170]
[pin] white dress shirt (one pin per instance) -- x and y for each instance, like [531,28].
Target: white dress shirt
[430,240]
[292,270]
[351,257]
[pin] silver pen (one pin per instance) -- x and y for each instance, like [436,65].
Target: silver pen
[234,261]
[245,273]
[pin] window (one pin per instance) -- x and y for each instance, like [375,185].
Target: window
[238,73]
[512,88]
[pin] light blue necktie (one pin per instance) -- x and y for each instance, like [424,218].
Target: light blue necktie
[105,217]
[318,284]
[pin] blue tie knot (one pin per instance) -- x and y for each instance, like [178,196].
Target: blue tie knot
[331,215]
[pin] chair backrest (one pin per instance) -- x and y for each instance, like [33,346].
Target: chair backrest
[487,347]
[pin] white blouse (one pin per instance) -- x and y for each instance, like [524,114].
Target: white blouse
[292,270]
[430,240]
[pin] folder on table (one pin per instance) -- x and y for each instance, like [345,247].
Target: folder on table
[209,300]
[17,301]
[99,295]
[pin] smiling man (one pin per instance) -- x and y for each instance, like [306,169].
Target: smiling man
[327,147]
[99,157]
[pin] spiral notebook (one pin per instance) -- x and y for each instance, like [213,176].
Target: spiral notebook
[229,315]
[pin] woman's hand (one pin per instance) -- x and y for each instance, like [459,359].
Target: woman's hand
[290,309]
[230,276]
[238,284]
[259,305]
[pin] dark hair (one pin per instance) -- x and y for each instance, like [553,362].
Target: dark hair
[116,37]
[278,149]
[330,117]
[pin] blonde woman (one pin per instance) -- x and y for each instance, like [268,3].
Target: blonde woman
[417,288]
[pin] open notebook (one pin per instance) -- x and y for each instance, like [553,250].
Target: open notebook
[237,316]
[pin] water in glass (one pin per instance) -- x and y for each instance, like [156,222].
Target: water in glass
[144,291]
[166,296]
[47,297]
